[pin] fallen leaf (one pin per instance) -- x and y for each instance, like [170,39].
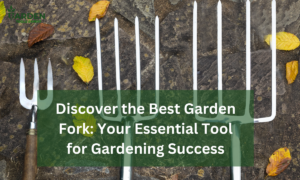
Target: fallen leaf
[201,173]
[174,177]
[2,11]
[291,71]
[88,119]
[98,10]
[284,41]
[39,33]
[84,68]
[279,161]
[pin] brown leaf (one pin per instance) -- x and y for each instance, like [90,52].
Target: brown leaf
[174,177]
[279,161]
[39,33]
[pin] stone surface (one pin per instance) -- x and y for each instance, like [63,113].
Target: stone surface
[3,170]
[144,9]
[69,19]
[75,36]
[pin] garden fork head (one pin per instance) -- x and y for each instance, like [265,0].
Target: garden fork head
[126,171]
[32,104]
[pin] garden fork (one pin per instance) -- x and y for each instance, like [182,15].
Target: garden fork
[30,164]
[236,153]
[126,171]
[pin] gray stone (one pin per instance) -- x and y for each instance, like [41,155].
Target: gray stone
[3,170]
[144,9]
[69,18]
[174,2]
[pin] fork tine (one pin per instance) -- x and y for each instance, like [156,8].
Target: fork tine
[49,77]
[35,82]
[117,56]
[44,104]
[26,103]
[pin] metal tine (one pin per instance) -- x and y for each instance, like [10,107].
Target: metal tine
[44,104]
[195,78]
[49,76]
[25,102]
[248,56]
[157,58]
[138,61]
[220,56]
[117,56]
[99,61]
[35,82]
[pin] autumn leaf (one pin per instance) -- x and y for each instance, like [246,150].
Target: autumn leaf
[84,68]
[284,41]
[39,33]
[98,10]
[88,119]
[201,173]
[279,161]
[291,71]
[174,177]
[2,11]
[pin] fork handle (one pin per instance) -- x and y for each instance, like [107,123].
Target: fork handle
[30,164]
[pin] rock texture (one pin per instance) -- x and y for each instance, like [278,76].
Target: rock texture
[75,36]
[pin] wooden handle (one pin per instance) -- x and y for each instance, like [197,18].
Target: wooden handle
[30,165]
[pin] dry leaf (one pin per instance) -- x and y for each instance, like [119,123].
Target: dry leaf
[39,33]
[88,119]
[2,11]
[284,41]
[279,161]
[98,10]
[174,177]
[84,68]
[201,173]
[291,71]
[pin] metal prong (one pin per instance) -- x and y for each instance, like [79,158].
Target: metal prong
[195,78]
[44,104]
[117,55]
[26,103]
[49,77]
[156,53]
[138,58]
[99,63]
[35,82]
[220,48]
[118,80]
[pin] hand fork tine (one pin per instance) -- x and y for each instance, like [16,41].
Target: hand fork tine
[26,103]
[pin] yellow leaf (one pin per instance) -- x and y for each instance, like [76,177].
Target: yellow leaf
[98,10]
[284,41]
[2,11]
[279,161]
[87,119]
[84,68]
[291,71]
[201,173]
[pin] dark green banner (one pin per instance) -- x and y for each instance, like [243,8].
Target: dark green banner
[146,128]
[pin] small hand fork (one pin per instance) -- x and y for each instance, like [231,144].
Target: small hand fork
[30,163]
